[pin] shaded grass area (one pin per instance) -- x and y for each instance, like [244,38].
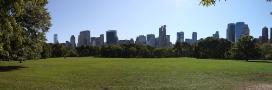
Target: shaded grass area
[89,73]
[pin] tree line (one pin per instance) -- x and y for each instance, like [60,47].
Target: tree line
[246,48]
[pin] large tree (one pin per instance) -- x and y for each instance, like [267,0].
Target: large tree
[246,48]
[211,47]
[23,24]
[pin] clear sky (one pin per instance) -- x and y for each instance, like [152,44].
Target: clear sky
[140,17]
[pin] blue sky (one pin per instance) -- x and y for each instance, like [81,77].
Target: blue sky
[140,17]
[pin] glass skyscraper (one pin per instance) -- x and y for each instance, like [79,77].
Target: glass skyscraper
[241,29]
[112,37]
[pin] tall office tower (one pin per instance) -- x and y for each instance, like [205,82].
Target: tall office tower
[141,40]
[84,38]
[73,41]
[270,35]
[216,35]
[101,40]
[157,42]
[151,40]
[112,38]
[131,41]
[162,37]
[168,40]
[94,41]
[68,44]
[189,41]
[180,37]
[56,39]
[264,35]
[241,29]
[231,32]
[194,37]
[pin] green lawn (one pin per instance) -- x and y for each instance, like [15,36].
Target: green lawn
[134,74]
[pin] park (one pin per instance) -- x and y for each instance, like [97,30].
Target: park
[89,73]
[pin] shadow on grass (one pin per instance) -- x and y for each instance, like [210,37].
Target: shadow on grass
[260,61]
[10,68]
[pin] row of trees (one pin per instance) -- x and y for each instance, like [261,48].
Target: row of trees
[245,49]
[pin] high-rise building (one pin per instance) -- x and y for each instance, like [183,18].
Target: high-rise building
[141,40]
[151,40]
[124,42]
[241,29]
[131,41]
[231,32]
[189,41]
[194,37]
[162,37]
[216,35]
[73,41]
[56,39]
[112,38]
[180,37]
[157,41]
[270,35]
[264,35]
[84,38]
[101,40]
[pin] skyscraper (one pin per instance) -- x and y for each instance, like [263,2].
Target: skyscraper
[265,35]
[270,35]
[141,40]
[56,39]
[162,37]
[216,35]
[151,40]
[180,37]
[168,41]
[101,40]
[194,37]
[241,29]
[84,38]
[73,41]
[231,32]
[112,38]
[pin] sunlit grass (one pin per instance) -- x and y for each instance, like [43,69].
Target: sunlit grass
[129,74]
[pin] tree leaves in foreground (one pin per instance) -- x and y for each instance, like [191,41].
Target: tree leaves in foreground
[213,2]
[23,24]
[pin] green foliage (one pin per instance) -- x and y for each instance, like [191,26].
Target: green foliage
[246,48]
[213,2]
[213,48]
[266,50]
[23,24]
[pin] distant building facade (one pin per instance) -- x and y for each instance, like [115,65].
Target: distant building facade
[189,41]
[56,41]
[264,37]
[84,38]
[141,40]
[231,32]
[241,29]
[194,37]
[162,37]
[73,41]
[112,38]
[270,35]
[151,40]
[216,35]
[124,42]
[180,37]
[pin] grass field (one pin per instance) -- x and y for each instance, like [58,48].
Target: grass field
[135,74]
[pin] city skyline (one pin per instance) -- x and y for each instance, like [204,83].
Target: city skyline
[234,32]
[130,20]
